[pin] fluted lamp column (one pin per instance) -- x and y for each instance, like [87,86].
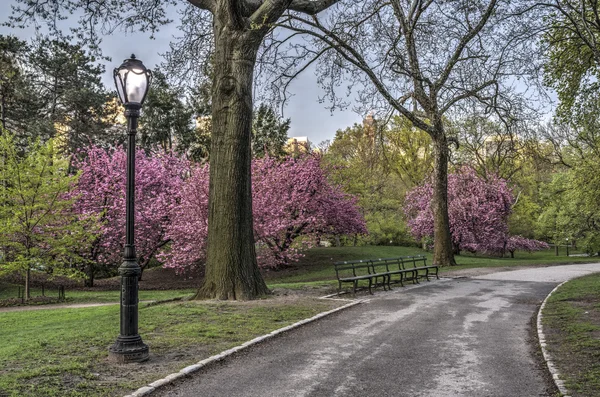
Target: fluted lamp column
[132,80]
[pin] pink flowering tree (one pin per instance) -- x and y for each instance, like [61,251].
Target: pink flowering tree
[293,203]
[188,230]
[478,211]
[515,243]
[100,193]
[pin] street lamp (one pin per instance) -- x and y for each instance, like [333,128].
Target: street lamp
[132,80]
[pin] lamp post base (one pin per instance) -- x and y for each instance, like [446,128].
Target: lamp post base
[128,349]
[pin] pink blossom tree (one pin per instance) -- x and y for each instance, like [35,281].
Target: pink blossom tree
[293,203]
[478,211]
[188,229]
[100,193]
[524,244]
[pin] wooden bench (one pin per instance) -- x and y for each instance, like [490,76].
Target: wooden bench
[383,271]
[355,271]
[418,266]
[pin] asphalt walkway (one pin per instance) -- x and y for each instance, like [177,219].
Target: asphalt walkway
[450,337]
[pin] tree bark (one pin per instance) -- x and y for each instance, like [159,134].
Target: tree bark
[27,292]
[90,270]
[231,271]
[442,246]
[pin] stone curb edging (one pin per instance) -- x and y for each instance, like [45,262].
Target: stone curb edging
[147,390]
[560,384]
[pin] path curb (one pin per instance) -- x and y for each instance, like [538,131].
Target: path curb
[148,389]
[560,384]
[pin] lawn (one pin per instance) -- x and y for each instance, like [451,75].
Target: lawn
[571,321]
[63,352]
[317,265]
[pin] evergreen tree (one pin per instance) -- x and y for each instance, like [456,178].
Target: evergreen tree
[269,133]
[68,82]
[166,121]
[19,105]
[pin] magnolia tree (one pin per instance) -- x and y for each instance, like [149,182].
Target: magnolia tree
[478,211]
[100,193]
[292,204]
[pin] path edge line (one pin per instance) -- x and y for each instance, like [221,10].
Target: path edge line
[560,384]
[151,387]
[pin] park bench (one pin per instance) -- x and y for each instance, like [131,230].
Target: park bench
[422,269]
[383,271]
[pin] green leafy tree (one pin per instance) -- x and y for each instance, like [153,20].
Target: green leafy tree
[269,133]
[408,151]
[572,65]
[571,199]
[378,164]
[38,229]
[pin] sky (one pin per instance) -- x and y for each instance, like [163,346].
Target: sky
[308,117]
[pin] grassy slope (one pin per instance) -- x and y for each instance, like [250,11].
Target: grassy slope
[572,326]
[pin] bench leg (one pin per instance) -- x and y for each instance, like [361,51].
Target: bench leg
[416,277]
[370,285]
[427,274]
[354,286]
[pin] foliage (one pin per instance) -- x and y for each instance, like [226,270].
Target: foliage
[571,210]
[478,211]
[572,59]
[67,81]
[293,201]
[165,124]
[269,133]
[378,163]
[39,230]
[188,229]
[100,193]
[292,204]
[53,89]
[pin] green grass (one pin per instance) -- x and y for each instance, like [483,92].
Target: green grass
[572,326]
[62,352]
[317,264]
[113,296]
[8,291]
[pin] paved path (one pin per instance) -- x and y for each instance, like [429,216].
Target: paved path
[452,337]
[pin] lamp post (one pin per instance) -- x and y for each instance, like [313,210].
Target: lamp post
[132,80]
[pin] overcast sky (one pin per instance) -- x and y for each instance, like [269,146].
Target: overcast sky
[309,117]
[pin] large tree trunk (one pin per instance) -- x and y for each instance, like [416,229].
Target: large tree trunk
[442,245]
[231,267]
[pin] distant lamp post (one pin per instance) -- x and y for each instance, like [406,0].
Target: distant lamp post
[132,80]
